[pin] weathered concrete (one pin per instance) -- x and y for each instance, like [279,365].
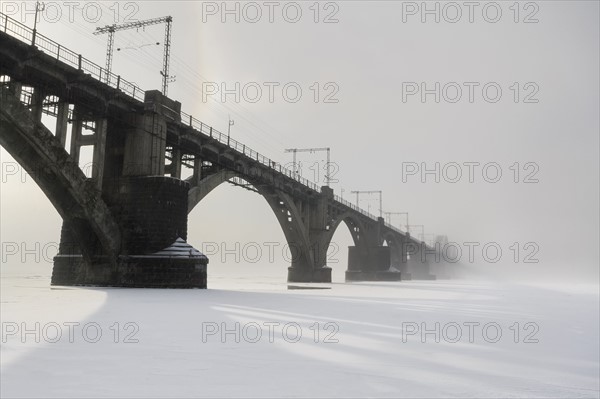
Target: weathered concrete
[176,266]
[132,272]
[150,210]
[145,142]
[304,275]
[370,264]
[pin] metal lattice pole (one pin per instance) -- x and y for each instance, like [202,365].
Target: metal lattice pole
[111,29]
[311,150]
[372,192]
[109,52]
[166,57]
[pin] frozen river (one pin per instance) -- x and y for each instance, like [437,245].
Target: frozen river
[256,337]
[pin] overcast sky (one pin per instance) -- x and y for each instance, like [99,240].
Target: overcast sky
[370,61]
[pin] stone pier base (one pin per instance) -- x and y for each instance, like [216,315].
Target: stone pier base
[131,271]
[302,275]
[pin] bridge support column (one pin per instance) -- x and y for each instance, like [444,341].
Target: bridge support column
[99,151]
[16,88]
[76,134]
[37,104]
[446,262]
[309,263]
[372,264]
[152,215]
[400,257]
[145,146]
[305,275]
[370,261]
[197,174]
[174,168]
[150,210]
[78,140]
[419,257]
[62,122]
[314,218]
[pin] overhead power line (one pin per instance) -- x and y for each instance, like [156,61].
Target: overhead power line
[111,29]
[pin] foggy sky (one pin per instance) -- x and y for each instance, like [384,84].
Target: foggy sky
[369,54]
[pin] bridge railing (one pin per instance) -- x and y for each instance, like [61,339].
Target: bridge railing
[362,211]
[48,46]
[22,32]
[15,29]
[354,207]
[235,145]
[430,244]
[396,229]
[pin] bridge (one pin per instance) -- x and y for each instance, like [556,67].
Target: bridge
[126,223]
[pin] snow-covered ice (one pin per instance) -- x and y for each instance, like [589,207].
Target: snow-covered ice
[378,353]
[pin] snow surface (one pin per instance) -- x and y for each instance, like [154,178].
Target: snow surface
[369,359]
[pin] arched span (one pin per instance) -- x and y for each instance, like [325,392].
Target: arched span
[293,226]
[356,227]
[75,197]
[206,185]
[283,206]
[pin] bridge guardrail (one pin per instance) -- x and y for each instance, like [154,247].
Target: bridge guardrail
[222,138]
[360,210]
[22,32]
[354,207]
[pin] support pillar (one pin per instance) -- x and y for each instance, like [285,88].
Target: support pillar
[99,151]
[418,260]
[400,257]
[306,275]
[16,88]
[175,167]
[369,260]
[145,146]
[314,218]
[197,176]
[76,134]
[149,208]
[152,216]
[372,264]
[37,104]
[62,122]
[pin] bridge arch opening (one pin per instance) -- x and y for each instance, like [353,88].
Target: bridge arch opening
[337,252]
[338,242]
[239,232]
